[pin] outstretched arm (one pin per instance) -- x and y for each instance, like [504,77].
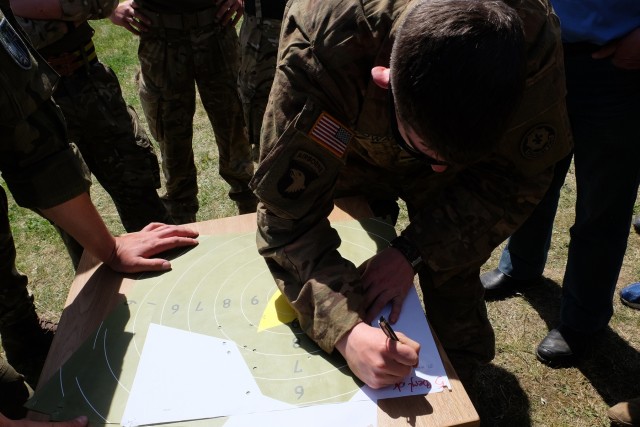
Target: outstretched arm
[129,253]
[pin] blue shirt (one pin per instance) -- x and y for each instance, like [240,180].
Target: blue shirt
[596,21]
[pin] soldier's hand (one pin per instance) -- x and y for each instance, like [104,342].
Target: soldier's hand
[229,11]
[624,52]
[376,359]
[386,277]
[128,15]
[133,252]
[76,422]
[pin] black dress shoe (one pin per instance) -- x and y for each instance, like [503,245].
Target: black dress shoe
[561,348]
[498,285]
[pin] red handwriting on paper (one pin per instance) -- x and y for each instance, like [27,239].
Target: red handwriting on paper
[414,384]
[441,382]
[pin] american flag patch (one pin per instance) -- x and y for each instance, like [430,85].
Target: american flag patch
[331,134]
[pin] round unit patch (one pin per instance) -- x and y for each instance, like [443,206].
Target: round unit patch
[537,141]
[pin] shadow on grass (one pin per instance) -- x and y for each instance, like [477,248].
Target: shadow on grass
[499,398]
[610,365]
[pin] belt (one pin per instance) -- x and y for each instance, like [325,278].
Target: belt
[182,21]
[68,63]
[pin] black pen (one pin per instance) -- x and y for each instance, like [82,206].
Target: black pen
[387,329]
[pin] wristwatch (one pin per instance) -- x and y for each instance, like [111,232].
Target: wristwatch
[408,250]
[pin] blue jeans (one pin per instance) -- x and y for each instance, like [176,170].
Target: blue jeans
[604,109]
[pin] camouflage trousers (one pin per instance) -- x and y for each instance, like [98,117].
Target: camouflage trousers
[259,47]
[113,144]
[453,294]
[16,303]
[172,63]
[14,392]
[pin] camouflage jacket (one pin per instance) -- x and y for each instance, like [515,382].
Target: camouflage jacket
[45,32]
[327,51]
[35,158]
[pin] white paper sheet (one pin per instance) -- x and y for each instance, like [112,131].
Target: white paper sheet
[430,375]
[195,376]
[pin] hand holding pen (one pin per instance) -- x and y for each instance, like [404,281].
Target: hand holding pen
[376,360]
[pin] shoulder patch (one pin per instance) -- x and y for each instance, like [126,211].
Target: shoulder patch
[14,45]
[303,169]
[331,134]
[537,141]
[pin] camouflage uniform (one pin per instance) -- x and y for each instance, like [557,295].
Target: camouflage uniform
[106,131]
[41,171]
[185,45]
[259,36]
[457,217]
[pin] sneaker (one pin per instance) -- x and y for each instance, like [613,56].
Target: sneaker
[636,224]
[630,295]
[625,413]
[27,344]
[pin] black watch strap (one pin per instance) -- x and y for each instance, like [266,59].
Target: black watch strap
[408,249]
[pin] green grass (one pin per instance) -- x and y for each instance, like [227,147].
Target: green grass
[515,390]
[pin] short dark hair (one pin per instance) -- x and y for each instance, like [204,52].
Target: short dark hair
[458,69]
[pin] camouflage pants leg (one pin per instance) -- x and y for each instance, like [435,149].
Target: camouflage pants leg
[259,50]
[457,313]
[217,60]
[14,392]
[25,343]
[167,94]
[16,303]
[452,291]
[113,144]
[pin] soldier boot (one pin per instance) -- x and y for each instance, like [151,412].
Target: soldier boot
[26,341]
[14,392]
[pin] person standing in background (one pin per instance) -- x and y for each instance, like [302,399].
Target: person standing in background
[105,129]
[259,34]
[183,45]
[44,174]
[601,40]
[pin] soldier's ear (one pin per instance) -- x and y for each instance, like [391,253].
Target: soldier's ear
[380,76]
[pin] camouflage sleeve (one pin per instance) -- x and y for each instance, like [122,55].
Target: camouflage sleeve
[486,202]
[299,168]
[294,183]
[78,11]
[36,160]
[41,32]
